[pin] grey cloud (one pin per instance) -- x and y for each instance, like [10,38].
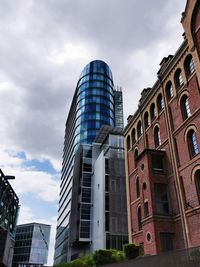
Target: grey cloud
[114,31]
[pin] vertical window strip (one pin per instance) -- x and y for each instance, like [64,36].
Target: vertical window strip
[191,66]
[194,144]
[180,79]
[187,108]
[171,91]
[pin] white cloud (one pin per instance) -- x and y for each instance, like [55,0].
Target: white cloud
[28,180]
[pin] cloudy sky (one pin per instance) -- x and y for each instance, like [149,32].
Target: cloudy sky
[44,44]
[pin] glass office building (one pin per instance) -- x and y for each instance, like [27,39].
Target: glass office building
[31,245]
[93,105]
[9,207]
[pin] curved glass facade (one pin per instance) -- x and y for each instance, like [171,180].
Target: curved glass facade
[94,104]
[95,101]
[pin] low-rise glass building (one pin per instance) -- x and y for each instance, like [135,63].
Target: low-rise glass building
[31,245]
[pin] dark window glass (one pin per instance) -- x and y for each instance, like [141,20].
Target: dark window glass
[135,156]
[107,221]
[107,166]
[137,186]
[160,103]
[178,78]
[87,165]
[128,142]
[133,136]
[139,129]
[152,112]
[157,139]
[146,119]
[86,195]
[166,240]
[185,107]
[85,212]
[197,181]
[169,90]
[107,202]
[161,199]
[107,184]
[192,143]
[189,65]
[139,218]
[146,209]
[157,163]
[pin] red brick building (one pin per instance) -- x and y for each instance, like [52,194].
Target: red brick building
[162,150]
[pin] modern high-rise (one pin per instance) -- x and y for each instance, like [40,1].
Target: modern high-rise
[31,245]
[99,217]
[94,104]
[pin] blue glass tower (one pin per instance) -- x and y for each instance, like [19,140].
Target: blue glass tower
[93,105]
[95,101]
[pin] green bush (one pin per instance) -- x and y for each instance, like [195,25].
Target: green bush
[117,255]
[65,264]
[102,256]
[106,256]
[131,251]
[85,261]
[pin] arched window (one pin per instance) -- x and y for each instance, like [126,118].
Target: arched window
[189,65]
[139,215]
[128,142]
[146,119]
[137,187]
[169,90]
[185,107]
[192,143]
[197,182]
[160,103]
[157,140]
[135,156]
[139,129]
[133,136]
[152,112]
[178,78]
[146,208]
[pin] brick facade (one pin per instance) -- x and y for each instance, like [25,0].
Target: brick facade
[162,152]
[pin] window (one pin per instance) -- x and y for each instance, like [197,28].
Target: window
[169,90]
[107,165]
[87,165]
[166,240]
[133,136]
[135,156]
[146,119]
[185,108]
[157,140]
[197,182]
[128,143]
[139,218]
[146,209]
[137,187]
[139,129]
[189,65]
[192,143]
[160,102]
[157,163]
[161,199]
[152,112]
[178,78]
